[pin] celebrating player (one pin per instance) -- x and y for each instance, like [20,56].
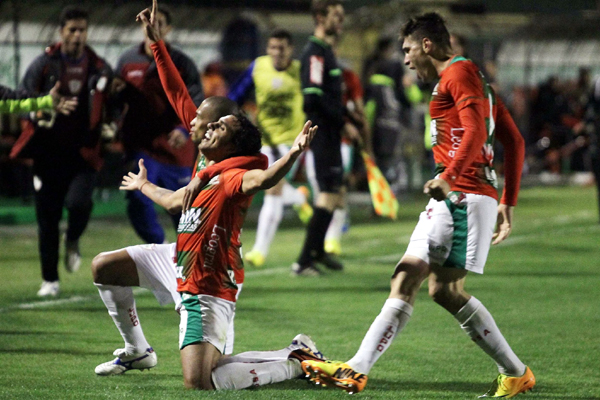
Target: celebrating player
[454,232]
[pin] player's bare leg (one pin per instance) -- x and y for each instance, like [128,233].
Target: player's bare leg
[114,274]
[446,287]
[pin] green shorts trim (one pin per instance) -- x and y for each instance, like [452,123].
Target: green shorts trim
[191,327]
[458,254]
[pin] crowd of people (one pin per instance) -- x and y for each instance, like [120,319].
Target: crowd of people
[202,159]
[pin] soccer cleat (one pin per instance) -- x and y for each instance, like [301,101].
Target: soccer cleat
[72,256]
[333,246]
[303,348]
[304,210]
[330,262]
[335,373]
[305,270]
[125,362]
[509,386]
[49,289]
[255,258]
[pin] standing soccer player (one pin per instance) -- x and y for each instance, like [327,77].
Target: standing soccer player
[65,148]
[454,232]
[151,129]
[275,79]
[322,89]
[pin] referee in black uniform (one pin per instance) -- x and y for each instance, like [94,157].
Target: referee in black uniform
[322,89]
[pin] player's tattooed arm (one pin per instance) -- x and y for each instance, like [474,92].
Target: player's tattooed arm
[256,179]
[168,199]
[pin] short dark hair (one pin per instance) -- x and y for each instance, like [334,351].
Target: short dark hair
[223,106]
[70,13]
[430,25]
[247,138]
[280,33]
[166,12]
[321,7]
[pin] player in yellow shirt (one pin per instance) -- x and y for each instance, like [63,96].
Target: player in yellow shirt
[275,79]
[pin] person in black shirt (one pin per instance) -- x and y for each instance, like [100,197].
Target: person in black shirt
[322,89]
[65,149]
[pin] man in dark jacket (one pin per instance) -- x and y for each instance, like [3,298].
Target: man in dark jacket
[151,129]
[65,149]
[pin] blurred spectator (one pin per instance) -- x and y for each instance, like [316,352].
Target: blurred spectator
[387,110]
[151,130]
[65,149]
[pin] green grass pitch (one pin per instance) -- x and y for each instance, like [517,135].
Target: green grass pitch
[542,286]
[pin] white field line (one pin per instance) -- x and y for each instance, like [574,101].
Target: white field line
[392,258]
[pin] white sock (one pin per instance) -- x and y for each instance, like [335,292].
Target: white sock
[244,375]
[391,320]
[478,323]
[257,357]
[121,307]
[268,222]
[292,196]
[337,224]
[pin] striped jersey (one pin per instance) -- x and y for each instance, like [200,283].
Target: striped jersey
[205,234]
[469,169]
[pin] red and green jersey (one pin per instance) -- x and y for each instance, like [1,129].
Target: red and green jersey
[453,131]
[206,234]
[466,116]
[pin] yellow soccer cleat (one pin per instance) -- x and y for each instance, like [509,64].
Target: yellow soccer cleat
[255,258]
[333,246]
[304,210]
[334,373]
[510,386]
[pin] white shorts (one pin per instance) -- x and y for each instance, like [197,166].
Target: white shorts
[455,236]
[204,318]
[156,270]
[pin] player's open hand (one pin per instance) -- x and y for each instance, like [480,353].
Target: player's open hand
[148,19]
[437,189]
[133,181]
[504,223]
[62,104]
[304,138]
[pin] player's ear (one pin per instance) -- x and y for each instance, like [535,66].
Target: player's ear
[426,45]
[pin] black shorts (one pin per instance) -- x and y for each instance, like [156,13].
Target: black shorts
[327,153]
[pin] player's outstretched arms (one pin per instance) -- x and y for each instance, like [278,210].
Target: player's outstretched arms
[504,223]
[257,179]
[169,200]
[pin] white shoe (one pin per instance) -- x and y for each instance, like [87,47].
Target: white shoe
[72,256]
[49,289]
[125,362]
[304,342]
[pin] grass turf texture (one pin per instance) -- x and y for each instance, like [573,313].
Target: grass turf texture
[541,285]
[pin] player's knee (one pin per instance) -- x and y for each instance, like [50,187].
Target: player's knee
[408,277]
[100,264]
[196,383]
[445,295]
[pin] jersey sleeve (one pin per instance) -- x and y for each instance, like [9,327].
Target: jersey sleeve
[233,180]
[15,106]
[466,90]
[355,89]
[259,161]
[173,85]
[514,154]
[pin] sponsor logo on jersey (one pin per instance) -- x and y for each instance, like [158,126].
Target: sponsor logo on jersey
[455,140]
[277,82]
[210,249]
[190,220]
[317,66]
